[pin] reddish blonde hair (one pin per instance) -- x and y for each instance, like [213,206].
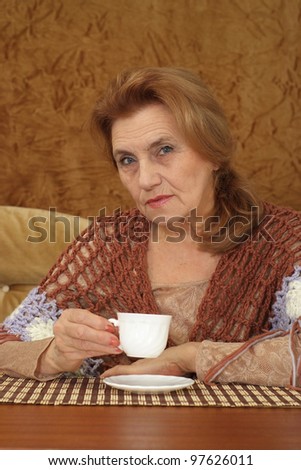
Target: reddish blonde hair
[204,125]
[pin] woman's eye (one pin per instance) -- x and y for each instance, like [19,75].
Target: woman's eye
[165,150]
[125,161]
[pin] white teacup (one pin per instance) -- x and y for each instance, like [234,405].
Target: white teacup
[142,334]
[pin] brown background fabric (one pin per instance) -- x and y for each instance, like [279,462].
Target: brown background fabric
[57,55]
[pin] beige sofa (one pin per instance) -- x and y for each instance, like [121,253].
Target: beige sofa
[30,242]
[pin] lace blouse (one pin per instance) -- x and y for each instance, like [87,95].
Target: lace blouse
[182,302]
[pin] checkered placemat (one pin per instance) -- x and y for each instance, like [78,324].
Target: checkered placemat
[92,391]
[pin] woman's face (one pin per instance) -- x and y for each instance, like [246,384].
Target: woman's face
[164,175]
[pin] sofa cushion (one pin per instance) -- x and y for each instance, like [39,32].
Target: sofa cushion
[30,242]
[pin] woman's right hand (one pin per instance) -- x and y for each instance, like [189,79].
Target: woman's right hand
[78,334]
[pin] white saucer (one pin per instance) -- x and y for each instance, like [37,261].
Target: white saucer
[148,383]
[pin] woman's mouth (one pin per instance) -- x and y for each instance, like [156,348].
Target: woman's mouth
[158,201]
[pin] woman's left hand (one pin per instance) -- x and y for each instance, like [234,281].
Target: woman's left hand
[177,360]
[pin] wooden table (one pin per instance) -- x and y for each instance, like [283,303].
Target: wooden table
[129,427]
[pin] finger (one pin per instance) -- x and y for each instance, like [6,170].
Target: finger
[84,333]
[80,335]
[142,366]
[118,370]
[81,355]
[105,343]
[85,317]
[82,350]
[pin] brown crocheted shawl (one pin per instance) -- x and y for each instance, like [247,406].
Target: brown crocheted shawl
[105,271]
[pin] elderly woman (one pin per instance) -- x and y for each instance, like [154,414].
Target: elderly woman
[199,245]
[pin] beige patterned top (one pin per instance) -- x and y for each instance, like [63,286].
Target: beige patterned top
[182,302]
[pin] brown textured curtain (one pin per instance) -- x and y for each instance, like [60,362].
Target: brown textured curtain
[58,54]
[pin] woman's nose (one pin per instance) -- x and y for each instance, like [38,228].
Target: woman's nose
[148,175]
